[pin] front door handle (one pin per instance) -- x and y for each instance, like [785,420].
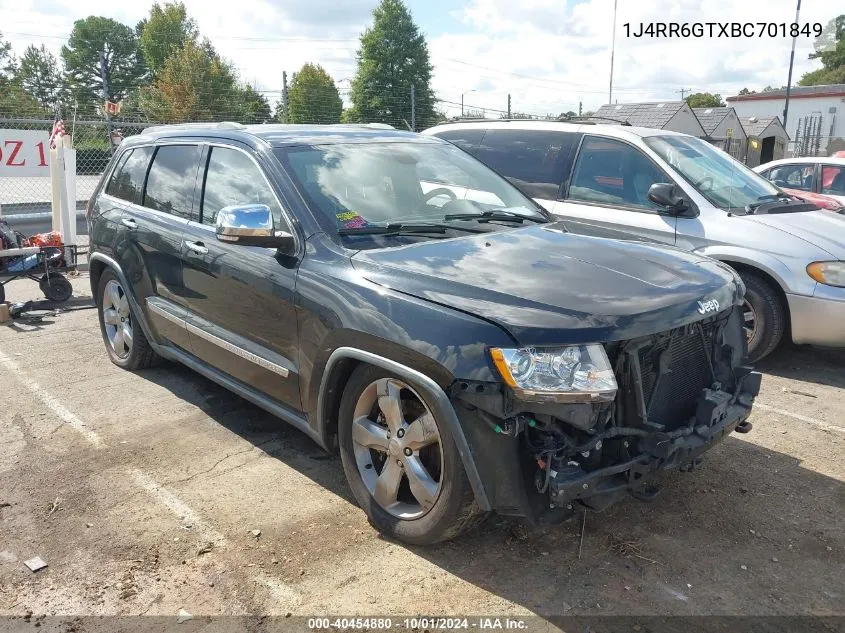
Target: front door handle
[129,223]
[197,247]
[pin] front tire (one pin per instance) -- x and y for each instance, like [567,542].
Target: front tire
[401,461]
[765,317]
[125,341]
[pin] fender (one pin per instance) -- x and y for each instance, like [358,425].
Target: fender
[136,309]
[762,262]
[436,396]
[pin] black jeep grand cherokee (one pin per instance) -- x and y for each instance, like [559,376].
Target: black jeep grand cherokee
[394,298]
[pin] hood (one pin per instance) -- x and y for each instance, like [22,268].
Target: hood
[822,229]
[546,286]
[818,199]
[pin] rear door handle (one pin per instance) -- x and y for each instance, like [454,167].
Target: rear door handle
[197,247]
[129,223]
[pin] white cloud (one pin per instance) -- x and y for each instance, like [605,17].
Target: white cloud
[547,54]
[565,48]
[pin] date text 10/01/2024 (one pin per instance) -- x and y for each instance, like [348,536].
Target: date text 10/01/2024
[418,623]
[721,29]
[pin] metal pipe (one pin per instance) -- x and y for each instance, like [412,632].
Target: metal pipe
[791,62]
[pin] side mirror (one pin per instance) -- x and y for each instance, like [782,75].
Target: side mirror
[252,225]
[666,195]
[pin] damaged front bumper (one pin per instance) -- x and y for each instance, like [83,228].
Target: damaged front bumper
[681,448]
[680,393]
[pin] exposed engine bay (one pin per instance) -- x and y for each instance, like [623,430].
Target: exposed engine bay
[680,392]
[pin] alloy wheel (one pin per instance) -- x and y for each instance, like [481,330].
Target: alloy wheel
[397,448]
[749,316]
[117,319]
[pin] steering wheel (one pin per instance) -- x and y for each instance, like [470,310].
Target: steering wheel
[437,191]
[701,182]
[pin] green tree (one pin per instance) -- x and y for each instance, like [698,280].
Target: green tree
[350,115]
[14,101]
[746,91]
[830,50]
[254,107]
[7,61]
[705,100]
[392,57]
[40,76]
[165,32]
[313,97]
[196,84]
[118,44]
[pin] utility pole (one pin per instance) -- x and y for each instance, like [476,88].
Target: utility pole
[789,79]
[683,91]
[413,108]
[104,75]
[580,104]
[509,105]
[612,54]
[284,97]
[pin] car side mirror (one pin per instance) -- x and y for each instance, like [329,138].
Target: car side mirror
[666,195]
[252,225]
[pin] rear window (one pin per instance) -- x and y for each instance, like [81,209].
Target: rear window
[127,181]
[170,184]
[467,140]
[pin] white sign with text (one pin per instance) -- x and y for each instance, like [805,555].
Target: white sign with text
[24,153]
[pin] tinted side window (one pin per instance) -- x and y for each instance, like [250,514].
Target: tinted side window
[614,173]
[170,183]
[114,180]
[232,178]
[833,180]
[128,180]
[535,161]
[467,140]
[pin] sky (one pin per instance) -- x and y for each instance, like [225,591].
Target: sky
[549,55]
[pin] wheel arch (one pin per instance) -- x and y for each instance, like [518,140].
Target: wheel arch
[769,279]
[97,265]
[340,365]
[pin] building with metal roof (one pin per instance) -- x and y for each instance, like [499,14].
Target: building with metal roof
[722,127]
[676,116]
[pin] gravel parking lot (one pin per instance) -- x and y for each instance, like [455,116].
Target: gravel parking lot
[143,492]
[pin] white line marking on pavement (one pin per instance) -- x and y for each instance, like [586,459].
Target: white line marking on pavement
[52,403]
[802,418]
[177,507]
[282,593]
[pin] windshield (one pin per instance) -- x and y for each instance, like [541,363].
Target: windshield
[360,185]
[725,182]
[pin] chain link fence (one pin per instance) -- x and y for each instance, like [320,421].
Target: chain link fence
[94,136]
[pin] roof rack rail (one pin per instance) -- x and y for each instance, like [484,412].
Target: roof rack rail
[375,126]
[588,119]
[585,120]
[219,125]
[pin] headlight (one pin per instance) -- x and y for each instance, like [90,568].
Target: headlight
[828,273]
[577,373]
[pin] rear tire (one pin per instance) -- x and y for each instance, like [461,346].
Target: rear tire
[764,305]
[452,512]
[115,312]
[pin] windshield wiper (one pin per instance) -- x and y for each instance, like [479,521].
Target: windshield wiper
[399,228]
[767,199]
[489,216]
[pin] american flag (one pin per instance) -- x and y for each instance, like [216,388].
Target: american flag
[57,133]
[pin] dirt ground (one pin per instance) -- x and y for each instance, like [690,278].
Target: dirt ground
[142,493]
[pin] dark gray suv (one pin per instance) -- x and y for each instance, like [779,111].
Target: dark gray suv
[395,299]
